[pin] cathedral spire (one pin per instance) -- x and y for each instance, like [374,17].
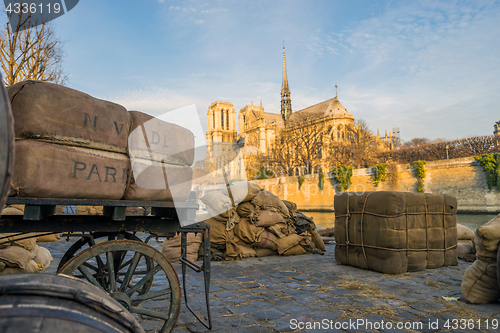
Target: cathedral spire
[286,101]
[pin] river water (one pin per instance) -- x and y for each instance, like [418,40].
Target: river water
[472,221]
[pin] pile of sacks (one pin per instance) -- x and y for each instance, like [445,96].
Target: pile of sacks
[256,223]
[480,283]
[18,255]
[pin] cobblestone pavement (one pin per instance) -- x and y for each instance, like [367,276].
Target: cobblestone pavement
[280,294]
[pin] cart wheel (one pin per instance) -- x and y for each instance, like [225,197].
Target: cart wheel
[165,291]
[86,242]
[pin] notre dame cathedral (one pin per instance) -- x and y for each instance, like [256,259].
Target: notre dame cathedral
[265,133]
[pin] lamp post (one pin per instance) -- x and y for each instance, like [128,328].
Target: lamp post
[447,152]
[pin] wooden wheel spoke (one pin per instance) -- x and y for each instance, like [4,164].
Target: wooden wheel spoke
[125,264]
[130,272]
[89,276]
[142,281]
[100,270]
[151,295]
[92,267]
[111,271]
[149,313]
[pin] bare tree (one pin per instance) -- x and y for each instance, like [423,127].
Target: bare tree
[31,53]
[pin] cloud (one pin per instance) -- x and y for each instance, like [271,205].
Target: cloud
[214,10]
[199,21]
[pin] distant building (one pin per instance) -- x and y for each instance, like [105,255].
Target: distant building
[262,130]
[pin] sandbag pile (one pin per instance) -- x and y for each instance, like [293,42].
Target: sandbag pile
[257,224]
[72,145]
[19,255]
[480,282]
[395,232]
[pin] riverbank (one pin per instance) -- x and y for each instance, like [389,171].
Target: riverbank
[281,294]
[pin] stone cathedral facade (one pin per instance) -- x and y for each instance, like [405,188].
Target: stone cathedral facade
[261,129]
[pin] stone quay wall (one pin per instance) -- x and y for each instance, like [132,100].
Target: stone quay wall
[463,178]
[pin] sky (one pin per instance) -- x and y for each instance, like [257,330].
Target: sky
[431,68]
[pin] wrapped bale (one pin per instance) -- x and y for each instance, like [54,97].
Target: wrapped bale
[68,144]
[161,155]
[395,232]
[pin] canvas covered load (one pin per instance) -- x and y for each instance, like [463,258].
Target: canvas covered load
[161,155]
[68,144]
[395,232]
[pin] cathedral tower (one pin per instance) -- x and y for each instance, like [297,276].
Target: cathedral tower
[286,101]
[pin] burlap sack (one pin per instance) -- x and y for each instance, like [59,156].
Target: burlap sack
[464,233]
[465,241]
[43,258]
[247,252]
[288,242]
[218,202]
[58,114]
[156,181]
[171,248]
[486,248]
[464,249]
[4,239]
[491,229]
[47,170]
[294,250]
[221,238]
[15,256]
[317,240]
[218,234]
[11,211]
[246,231]
[479,284]
[292,207]
[267,240]
[243,191]
[279,229]
[89,210]
[395,232]
[267,218]
[265,200]
[157,140]
[265,252]
[247,209]
[31,267]
[15,240]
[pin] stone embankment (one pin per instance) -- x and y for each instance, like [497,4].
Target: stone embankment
[463,178]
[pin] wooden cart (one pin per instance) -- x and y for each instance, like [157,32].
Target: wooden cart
[110,256]
[108,253]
